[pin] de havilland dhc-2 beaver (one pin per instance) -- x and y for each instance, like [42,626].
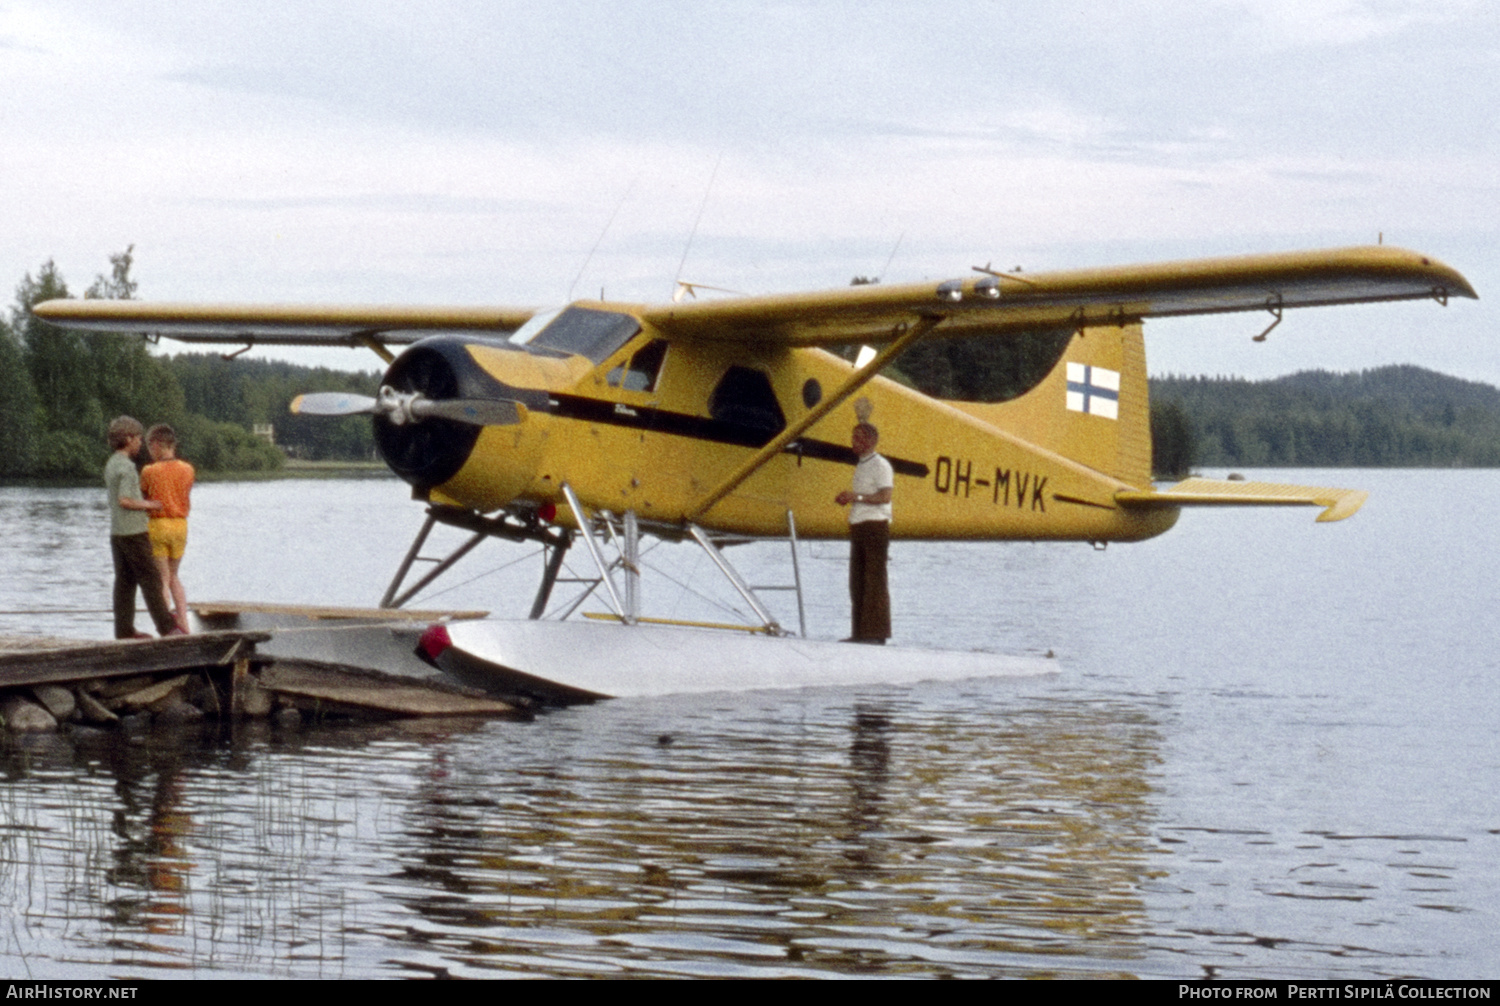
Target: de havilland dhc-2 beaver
[602,421]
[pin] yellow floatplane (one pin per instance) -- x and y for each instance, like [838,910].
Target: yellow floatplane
[602,421]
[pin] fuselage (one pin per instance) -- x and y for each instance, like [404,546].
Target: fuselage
[631,421]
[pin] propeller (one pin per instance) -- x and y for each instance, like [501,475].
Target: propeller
[404,407]
[332,403]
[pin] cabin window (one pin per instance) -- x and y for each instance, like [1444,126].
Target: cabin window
[991,368]
[744,400]
[585,332]
[644,367]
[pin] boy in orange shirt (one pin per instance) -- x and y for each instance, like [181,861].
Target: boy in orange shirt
[169,481]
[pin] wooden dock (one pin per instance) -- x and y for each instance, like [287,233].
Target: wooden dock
[47,681]
[41,661]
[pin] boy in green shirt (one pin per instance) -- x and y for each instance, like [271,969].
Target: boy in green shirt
[129,545]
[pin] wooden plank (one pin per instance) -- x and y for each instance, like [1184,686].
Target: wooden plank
[28,644]
[144,697]
[124,657]
[353,688]
[221,609]
[237,677]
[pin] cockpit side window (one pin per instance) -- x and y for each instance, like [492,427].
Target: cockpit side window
[643,370]
[585,332]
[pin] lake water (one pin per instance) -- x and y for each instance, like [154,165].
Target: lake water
[1271,751]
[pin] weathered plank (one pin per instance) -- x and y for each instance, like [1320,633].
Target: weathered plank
[351,687]
[77,661]
[143,697]
[28,644]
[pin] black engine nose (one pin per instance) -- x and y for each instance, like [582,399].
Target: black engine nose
[430,452]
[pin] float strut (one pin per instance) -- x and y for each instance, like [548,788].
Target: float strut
[549,576]
[632,556]
[734,578]
[439,569]
[791,527]
[411,556]
[582,518]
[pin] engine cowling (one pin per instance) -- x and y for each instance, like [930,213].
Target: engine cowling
[430,452]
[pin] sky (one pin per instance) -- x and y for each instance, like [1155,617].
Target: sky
[521,154]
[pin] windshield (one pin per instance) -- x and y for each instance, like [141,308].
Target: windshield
[534,324]
[584,332]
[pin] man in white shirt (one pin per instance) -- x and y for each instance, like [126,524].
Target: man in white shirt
[869,503]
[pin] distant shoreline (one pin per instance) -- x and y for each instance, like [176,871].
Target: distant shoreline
[307,470]
[291,470]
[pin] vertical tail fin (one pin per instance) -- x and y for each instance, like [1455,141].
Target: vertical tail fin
[1091,407]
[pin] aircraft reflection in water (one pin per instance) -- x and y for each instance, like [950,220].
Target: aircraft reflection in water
[731,415]
[917,842]
[955,834]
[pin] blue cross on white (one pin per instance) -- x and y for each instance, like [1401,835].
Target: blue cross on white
[1094,390]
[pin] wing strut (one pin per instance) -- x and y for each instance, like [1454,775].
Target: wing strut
[778,443]
[373,344]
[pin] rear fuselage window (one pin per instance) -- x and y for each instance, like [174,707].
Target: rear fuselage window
[743,399]
[989,368]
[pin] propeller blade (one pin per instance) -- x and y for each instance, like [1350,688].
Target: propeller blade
[474,411]
[332,403]
[399,407]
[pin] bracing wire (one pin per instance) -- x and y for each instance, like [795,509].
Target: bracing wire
[480,576]
[600,239]
[676,280]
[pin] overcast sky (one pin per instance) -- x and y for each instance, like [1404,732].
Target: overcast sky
[475,153]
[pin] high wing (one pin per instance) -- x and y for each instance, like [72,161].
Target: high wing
[280,325]
[987,304]
[994,303]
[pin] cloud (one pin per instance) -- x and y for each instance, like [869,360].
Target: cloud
[1347,22]
[473,152]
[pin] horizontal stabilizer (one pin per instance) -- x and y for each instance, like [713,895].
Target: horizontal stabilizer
[1337,503]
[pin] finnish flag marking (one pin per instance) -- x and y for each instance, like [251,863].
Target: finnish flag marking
[1094,390]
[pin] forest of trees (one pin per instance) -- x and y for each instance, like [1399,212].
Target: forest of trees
[60,389]
[1390,416]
